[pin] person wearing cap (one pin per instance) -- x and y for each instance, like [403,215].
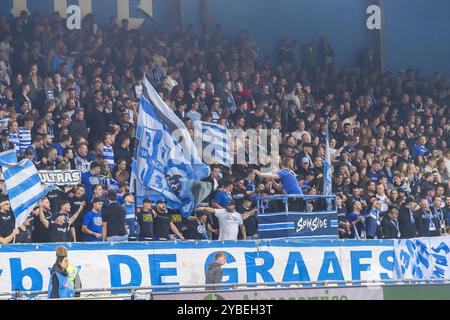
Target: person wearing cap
[229,221]
[197,229]
[5,144]
[60,286]
[59,227]
[92,222]
[145,218]
[162,224]
[113,220]
[304,166]
[91,178]
[131,220]
[25,234]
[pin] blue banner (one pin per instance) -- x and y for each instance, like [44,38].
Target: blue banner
[298,224]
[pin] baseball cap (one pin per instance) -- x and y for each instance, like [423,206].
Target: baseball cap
[310,172]
[305,160]
[161,201]
[199,214]
[147,200]
[231,203]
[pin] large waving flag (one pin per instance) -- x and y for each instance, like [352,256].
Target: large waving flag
[327,186]
[23,185]
[213,139]
[167,163]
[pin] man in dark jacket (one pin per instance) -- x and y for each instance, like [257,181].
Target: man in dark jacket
[5,144]
[406,219]
[214,272]
[77,128]
[427,221]
[98,124]
[390,226]
[113,218]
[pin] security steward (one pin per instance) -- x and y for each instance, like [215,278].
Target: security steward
[60,286]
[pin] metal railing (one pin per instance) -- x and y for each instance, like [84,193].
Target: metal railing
[133,292]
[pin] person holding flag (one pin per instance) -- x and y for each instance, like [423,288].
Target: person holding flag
[23,185]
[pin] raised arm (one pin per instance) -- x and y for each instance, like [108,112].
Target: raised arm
[206,209]
[44,221]
[76,214]
[249,213]
[269,175]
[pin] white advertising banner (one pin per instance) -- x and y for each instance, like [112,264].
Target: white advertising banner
[105,265]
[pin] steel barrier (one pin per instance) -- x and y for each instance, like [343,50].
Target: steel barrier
[289,216]
[134,292]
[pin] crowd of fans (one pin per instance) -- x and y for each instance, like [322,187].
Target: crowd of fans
[69,100]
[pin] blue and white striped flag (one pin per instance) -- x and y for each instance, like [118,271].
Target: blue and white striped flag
[167,164]
[24,188]
[213,140]
[112,184]
[327,186]
[8,158]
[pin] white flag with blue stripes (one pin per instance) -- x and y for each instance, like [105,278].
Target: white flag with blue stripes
[24,188]
[8,158]
[167,163]
[213,140]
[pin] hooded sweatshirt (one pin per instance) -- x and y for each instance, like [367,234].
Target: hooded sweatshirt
[214,274]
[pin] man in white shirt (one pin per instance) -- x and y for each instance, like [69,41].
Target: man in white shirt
[301,130]
[229,221]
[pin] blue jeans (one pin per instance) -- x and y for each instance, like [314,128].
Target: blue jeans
[117,238]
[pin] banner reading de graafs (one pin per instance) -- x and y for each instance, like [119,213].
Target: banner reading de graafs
[167,164]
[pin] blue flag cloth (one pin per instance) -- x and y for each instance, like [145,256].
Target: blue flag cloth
[327,186]
[213,139]
[8,158]
[24,188]
[167,163]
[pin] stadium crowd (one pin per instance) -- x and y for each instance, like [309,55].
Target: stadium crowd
[69,100]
